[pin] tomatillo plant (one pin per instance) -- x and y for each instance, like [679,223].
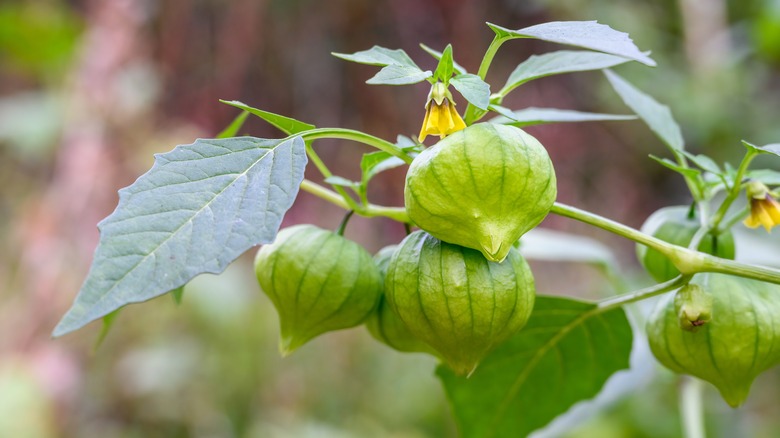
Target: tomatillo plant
[458,288]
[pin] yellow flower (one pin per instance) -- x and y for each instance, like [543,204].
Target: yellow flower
[441,117]
[764,208]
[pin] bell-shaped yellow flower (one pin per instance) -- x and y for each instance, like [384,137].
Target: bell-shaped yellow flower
[764,208]
[441,117]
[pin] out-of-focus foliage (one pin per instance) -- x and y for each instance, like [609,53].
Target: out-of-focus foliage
[90,89]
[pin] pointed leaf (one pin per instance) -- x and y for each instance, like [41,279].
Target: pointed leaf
[457,68]
[704,162]
[379,56]
[684,171]
[341,181]
[565,354]
[773,148]
[232,129]
[197,209]
[444,69]
[399,75]
[178,294]
[586,34]
[538,116]
[657,116]
[564,61]
[108,323]
[376,162]
[285,124]
[473,88]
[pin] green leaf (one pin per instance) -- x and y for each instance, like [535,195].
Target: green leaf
[399,75]
[232,129]
[557,246]
[341,181]
[565,354]
[198,208]
[178,294]
[379,56]
[473,88]
[376,162]
[773,148]
[586,34]
[684,171]
[564,61]
[108,323]
[766,176]
[704,162]
[285,124]
[538,116]
[657,116]
[457,68]
[444,69]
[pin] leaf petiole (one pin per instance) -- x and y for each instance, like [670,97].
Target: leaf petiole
[370,210]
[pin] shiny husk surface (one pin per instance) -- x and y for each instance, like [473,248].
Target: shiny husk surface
[456,300]
[318,281]
[673,225]
[741,340]
[482,187]
[384,324]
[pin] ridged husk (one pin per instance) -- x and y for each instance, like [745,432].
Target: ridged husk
[318,281]
[741,340]
[384,324]
[482,187]
[454,299]
[673,225]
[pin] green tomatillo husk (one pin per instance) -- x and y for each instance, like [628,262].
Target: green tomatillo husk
[481,187]
[456,300]
[741,340]
[318,281]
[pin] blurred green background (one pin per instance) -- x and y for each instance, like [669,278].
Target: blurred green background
[90,90]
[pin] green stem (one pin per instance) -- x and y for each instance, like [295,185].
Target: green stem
[691,408]
[736,186]
[611,226]
[730,222]
[642,294]
[324,193]
[396,213]
[685,260]
[360,137]
[473,113]
[320,165]
[343,225]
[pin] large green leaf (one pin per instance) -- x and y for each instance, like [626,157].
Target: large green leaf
[563,61]
[586,34]
[657,116]
[198,208]
[538,116]
[564,355]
